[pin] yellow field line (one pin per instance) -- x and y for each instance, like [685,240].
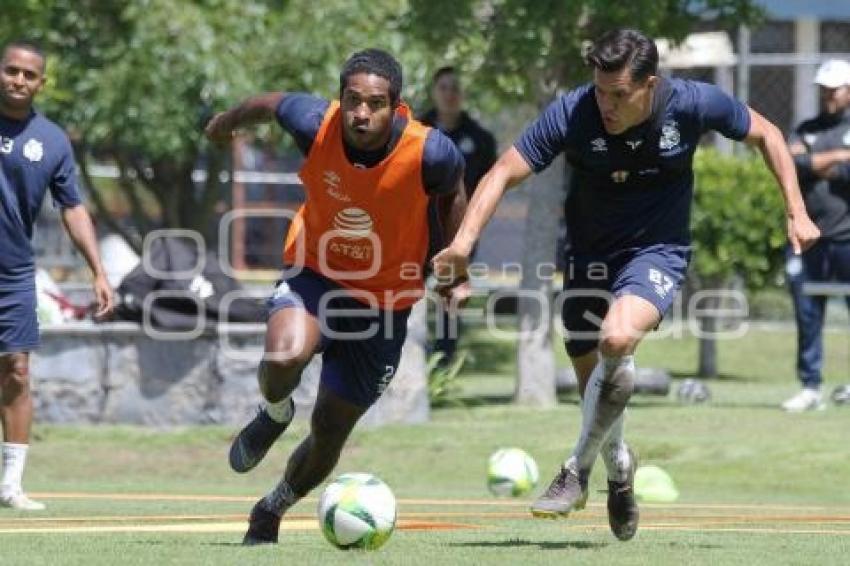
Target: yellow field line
[220,527]
[435,502]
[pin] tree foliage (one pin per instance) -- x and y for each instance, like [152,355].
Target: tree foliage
[737,223]
[527,49]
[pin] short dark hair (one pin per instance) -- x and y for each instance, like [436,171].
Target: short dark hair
[621,48]
[26,45]
[441,72]
[374,62]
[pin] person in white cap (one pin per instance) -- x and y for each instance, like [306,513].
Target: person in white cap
[821,150]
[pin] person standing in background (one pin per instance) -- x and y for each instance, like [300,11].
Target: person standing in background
[821,150]
[35,156]
[478,147]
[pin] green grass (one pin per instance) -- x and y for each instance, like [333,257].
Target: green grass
[739,450]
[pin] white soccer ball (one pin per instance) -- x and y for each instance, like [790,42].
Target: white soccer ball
[511,471]
[357,511]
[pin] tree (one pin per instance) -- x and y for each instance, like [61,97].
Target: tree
[528,49]
[133,83]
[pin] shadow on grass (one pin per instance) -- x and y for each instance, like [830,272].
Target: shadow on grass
[720,377]
[542,545]
[486,400]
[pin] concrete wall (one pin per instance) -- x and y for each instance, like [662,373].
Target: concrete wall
[115,373]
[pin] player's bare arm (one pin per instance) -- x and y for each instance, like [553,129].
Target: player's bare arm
[81,231]
[510,170]
[254,110]
[451,208]
[802,232]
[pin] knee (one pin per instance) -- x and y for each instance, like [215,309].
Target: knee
[617,344]
[16,378]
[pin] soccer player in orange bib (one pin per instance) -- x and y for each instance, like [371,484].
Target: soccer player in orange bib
[381,191]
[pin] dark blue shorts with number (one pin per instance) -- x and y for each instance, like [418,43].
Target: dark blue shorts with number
[591,284]
[360,345]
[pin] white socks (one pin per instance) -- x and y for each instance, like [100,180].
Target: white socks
[14,459]
[615,453]
[280,498]
[602,422]
[282,411]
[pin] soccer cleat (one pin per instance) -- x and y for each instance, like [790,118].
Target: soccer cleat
[623,513]
[807,399]
[263,526]
[566,492]
[21,502]
[253,442]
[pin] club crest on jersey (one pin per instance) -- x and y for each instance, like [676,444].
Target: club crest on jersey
[33,150]
[669,135]
[620,176]
[599,144]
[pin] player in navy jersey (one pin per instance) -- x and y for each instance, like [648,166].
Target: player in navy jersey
[630,138]
[35,155]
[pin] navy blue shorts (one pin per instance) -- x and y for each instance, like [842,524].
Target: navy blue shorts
[18,321]
[591,284]
[360,345]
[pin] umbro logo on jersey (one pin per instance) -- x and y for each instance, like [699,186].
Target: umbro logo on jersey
[599,144]
[634,144]
[332,181]
[331,178]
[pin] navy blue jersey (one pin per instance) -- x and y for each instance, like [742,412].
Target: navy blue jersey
[633,189]
[442,163]
[35,155]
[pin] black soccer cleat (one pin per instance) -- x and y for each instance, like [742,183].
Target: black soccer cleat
[253,442]
[263,526]
[567,492]
[623,513]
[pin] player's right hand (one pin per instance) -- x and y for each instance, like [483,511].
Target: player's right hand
[218,130]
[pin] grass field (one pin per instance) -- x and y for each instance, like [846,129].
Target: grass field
[758,486]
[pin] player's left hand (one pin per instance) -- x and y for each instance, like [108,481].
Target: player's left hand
[455,296]
[802,233]
[103,297]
